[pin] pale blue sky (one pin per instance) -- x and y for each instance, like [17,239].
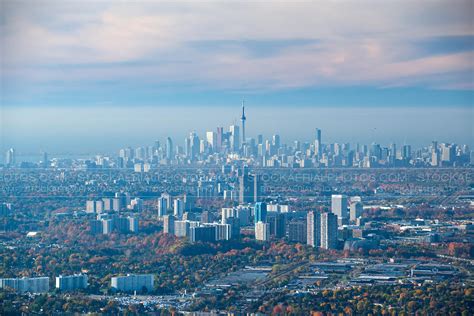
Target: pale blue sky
[129,56]
[105,129]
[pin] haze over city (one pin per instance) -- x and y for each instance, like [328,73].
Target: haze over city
[32,130]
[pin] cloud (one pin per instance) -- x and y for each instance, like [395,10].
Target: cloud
[240,45]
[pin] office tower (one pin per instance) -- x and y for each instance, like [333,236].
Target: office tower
[203,147]
[202,233]
[162,206]
[243,119]
[392,154]
[349,158]
[260,212]
[297,231]
[219,138]
[296,145]
[169,148]
[336,149]
[71,282]
[132,282]
[45,161]
[211,138]
[122,153]
[448,153]
[328,231]
[317,143]
[194,145]
[140,153]
[356,210]
[434,161]
[149,152]
[234,138]
[10,157]
[178,208]
[339,206]
[276,142]
[260,150]
[187,147]
[313,221]
[168,224]
[21,285]
[268,148]
[376,151]
[277,224]
[406,152]
[129,153]
[156,148]
[262,231]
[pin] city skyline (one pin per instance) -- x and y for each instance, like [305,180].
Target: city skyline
[118,128]
[231,143]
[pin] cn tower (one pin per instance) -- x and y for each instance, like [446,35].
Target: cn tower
[243,118]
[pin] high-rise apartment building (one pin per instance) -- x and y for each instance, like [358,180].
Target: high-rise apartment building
[168,224]
[162,206]
[260,212]
[71,282]
[339,206]
[133,282]
[262,231]
[328,231]
[313,221]
[21,285]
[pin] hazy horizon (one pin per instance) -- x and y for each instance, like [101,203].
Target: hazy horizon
[105,129]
